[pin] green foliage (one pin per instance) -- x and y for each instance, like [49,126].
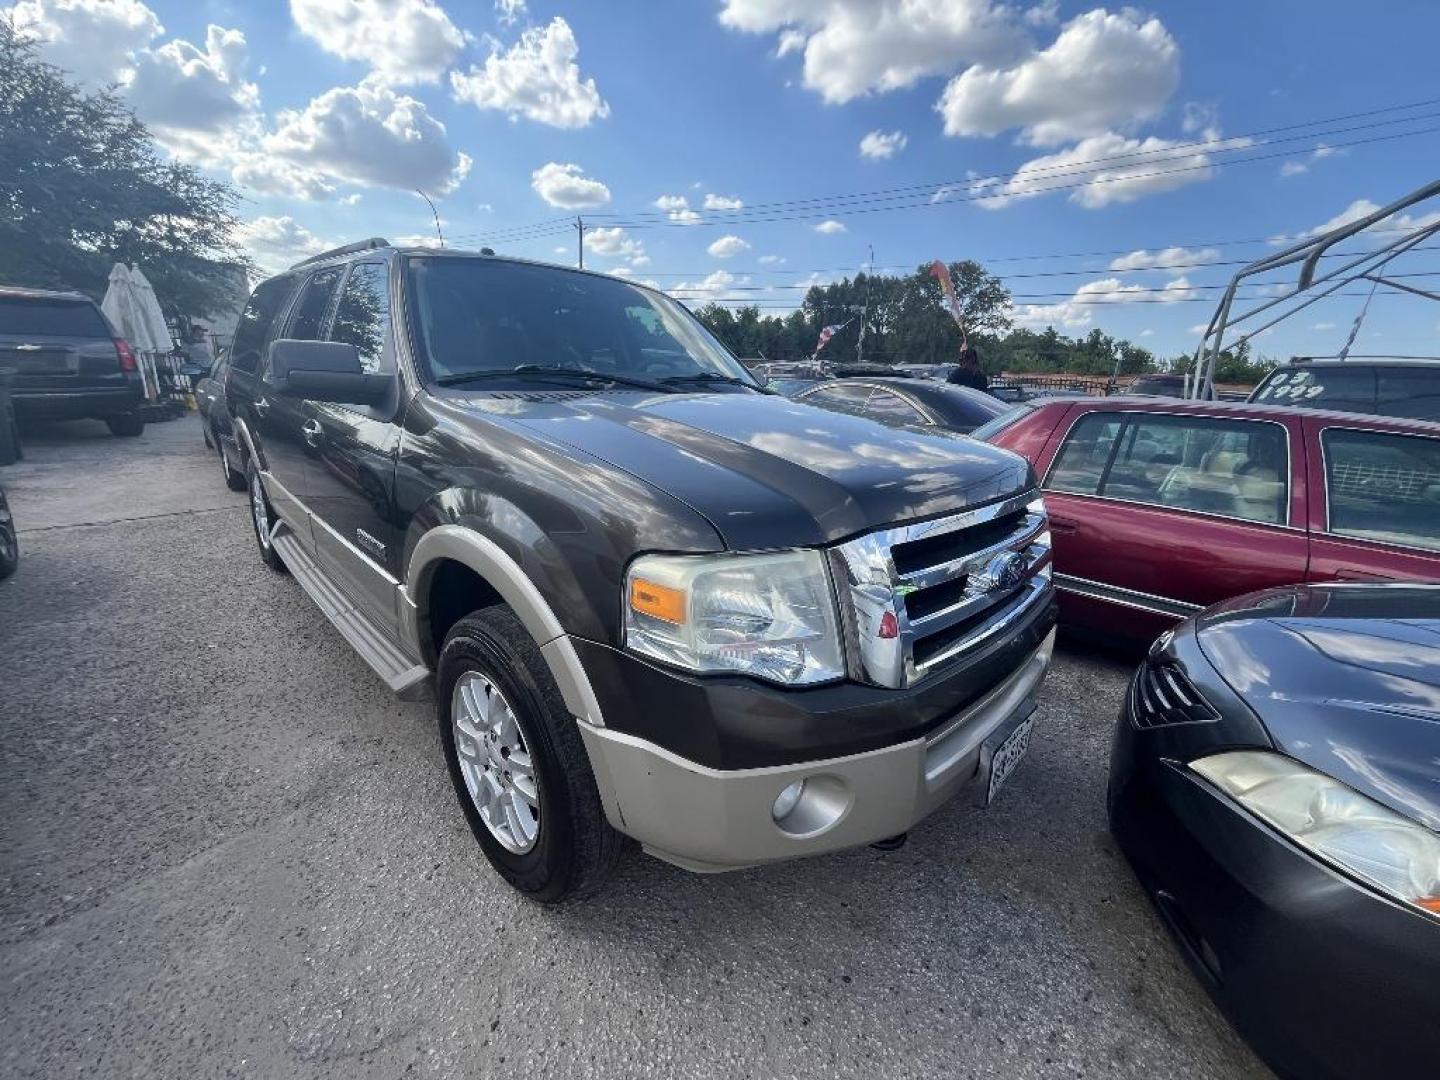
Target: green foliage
[83,186]
[1235,365]
[909,323]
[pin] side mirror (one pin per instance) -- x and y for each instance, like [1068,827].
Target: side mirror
[325,371]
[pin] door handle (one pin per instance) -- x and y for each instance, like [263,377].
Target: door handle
[312,431]
[262,406]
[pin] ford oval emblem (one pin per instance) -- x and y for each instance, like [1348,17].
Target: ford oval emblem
[1005,572]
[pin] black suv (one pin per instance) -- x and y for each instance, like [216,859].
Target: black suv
[650,597]
[69,362]
[1405,388]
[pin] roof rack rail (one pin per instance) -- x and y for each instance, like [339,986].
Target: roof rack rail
[345,249]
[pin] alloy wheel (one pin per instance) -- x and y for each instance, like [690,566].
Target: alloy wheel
[259,511]
[495,762]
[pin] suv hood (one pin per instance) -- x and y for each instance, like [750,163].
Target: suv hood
[770,472]
[1346,679]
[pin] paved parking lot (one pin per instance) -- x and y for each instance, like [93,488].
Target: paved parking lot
[228,851]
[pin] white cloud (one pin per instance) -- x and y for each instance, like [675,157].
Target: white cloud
[727,247]
[677,208]
[1145,167]
[855,47]
[1077,311]
[1045,13]
[509,12]
[267,174]
[277,243]
[711,287]
[882,144]
[369,134]
[1324,326]
[615,244]
[1147,332]
[1103,70]
[722,202]
[538,78]
[1361,208]
[351,199]
[567,187]
[1320,153]
[770,260]
[1166,259]
[179,89]
[403,41]
[562,250]
[91,39]
[830,227]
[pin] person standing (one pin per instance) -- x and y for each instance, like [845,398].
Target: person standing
[968,372]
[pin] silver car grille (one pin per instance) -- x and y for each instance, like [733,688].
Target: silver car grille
[922,596]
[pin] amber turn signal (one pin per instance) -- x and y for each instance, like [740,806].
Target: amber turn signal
[657,601]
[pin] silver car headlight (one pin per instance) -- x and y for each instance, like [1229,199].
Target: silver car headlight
[768,615]
[1334,822]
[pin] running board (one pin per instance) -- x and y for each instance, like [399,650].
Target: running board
[402,674]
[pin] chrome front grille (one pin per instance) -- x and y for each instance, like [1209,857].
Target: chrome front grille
[920,596]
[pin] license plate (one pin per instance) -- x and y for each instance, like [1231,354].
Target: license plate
[1008,755]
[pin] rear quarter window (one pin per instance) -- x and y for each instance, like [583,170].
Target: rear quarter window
[1383,486]
[1340,388]
[1409,392]
[51,318]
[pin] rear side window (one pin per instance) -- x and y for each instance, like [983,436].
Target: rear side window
[59,318]
[1410,392]
[1235,468]
[307,324]
[1382,486]
[893,409]
[363,317]
[840,397]
[1344,389]
[253,329]
[994,427]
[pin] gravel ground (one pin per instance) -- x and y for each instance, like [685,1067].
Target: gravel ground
[226,850]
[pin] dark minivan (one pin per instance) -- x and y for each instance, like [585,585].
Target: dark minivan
[69,362]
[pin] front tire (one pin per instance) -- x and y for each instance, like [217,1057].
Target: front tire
[128,424]
[517,762]
[262,519]
[9,543]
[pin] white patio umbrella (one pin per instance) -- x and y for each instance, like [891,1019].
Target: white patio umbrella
[151,311]
[121,306]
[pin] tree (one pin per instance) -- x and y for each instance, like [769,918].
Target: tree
[83,186]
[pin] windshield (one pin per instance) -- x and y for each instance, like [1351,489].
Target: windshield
[482,315]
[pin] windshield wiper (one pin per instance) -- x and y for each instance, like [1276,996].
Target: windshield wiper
[713,377]
[582,374]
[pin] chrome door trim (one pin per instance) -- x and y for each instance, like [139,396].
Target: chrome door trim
[1131,598]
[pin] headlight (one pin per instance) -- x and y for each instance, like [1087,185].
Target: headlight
[1336,823]
[771,616]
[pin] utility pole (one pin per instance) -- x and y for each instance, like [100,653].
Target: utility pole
[865,311]
[580,242]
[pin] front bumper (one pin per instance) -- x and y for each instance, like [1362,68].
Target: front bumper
[709,819]
[1324,977]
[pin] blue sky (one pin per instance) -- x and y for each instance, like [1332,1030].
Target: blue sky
[516,116]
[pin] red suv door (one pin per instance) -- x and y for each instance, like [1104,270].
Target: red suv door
[1375,512]
[1159,511]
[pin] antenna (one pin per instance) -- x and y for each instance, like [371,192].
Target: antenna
[865,312]
[433,214]
[580,243]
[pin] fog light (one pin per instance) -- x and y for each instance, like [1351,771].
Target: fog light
[786,800]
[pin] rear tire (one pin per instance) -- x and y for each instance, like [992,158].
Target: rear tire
[262,519]
[126,424]
[233,480]
[568,850]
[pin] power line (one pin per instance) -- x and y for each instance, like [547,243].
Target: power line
[1174,151]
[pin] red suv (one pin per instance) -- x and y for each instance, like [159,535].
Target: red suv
[1160,507]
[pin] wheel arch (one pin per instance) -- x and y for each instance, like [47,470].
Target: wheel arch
[502,580]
